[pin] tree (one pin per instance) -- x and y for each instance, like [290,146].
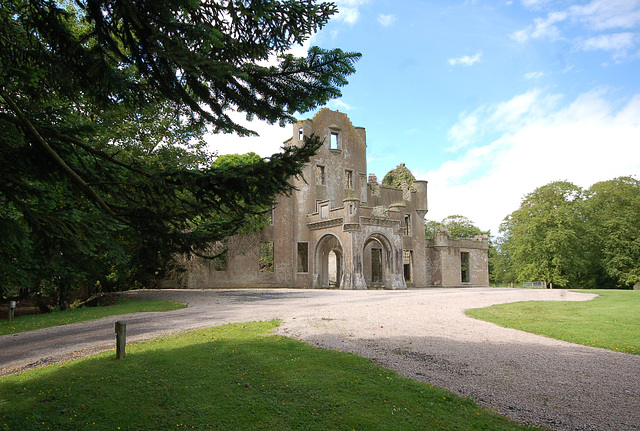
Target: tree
[103,104]
[612,213]
[458,226]
[545,237]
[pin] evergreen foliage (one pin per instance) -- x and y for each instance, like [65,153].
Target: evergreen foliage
[103,106]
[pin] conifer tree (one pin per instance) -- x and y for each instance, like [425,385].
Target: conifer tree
[103,105]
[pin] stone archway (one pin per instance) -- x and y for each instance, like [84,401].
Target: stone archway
[329,262]
[381,263]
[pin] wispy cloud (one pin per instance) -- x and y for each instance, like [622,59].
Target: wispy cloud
[608,14]
[339,105]
[535,139]
[543,28]
[386,20]
[349,10]
[618,43]
[534,75]
[466,60]
[593,18]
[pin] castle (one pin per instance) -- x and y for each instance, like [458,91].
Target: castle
[342,229]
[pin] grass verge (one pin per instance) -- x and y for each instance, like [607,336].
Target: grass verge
[123,306]
[610,321]
[232,377]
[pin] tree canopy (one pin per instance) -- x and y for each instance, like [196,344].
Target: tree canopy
[571,237]
[103,106]
[457,225]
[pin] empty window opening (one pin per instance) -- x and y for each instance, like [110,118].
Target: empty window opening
[320,179]
[300,134]
[303,257]
[464,267]
[333,143]
[407,258]
[407,225]
[266,257]
[376,265]
[348,179]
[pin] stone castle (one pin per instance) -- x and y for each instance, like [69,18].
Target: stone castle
[342,229]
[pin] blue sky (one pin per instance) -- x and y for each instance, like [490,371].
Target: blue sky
[486,100]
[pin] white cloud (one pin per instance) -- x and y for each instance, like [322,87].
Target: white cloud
[608,14]
[590,19]
[349,10]
[466,60]
[542,28]
[463,133]
[585,141]
[619,43]
[338,104]
[386,20]
[534,4]
[534,75]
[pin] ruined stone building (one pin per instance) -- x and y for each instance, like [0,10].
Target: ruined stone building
[342,229]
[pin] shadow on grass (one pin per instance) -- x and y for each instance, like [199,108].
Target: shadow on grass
[231,377]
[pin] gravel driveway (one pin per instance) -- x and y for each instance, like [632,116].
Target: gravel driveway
[422,334]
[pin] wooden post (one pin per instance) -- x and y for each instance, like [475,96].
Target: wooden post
[12,310]
[121,339]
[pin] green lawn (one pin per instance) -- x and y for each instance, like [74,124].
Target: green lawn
[234,377]
[124,306]
[610,321]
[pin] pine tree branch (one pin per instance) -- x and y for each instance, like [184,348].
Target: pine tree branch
[66,168]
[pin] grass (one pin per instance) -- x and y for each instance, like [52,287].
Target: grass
[610,321]
[237,377]
[123,306]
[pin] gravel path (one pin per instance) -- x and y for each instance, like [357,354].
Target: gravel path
[422,334]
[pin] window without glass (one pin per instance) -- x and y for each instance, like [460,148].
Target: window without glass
[407,259]
[407,225]
[303,257]
[266,257]
[300,134]
[334,141]
[320,175]
[464,267]
[348,179]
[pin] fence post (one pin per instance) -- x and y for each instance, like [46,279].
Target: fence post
[121,339]
[12,310]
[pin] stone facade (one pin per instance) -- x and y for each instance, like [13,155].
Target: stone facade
[342,229]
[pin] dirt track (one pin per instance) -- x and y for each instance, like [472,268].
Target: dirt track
[422,334]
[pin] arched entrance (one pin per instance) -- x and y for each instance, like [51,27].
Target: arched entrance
[329,262]
[379,265]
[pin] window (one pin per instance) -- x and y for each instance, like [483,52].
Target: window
[324,210]
[464,267]
[270,215]
[320,175]
[266,257]
[300,134]
[407,225]
[348,179]
[407,260]
[303,257]
[333,143]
